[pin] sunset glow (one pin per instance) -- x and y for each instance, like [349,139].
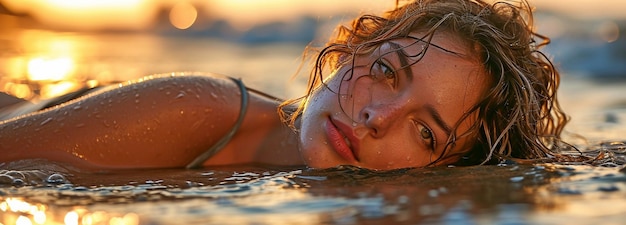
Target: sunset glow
[56,57]
[87,15]
[50,69]
[139,14]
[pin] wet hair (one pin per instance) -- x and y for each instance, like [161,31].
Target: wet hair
[518,117]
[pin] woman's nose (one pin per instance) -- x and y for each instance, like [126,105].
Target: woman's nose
[381,118]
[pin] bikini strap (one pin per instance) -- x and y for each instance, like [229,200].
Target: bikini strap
[198,161]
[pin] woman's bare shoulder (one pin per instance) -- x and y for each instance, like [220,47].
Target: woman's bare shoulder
[161,120]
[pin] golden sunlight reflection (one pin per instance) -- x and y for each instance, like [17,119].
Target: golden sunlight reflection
[22,220]
[49,90]
[71,218]
[48,67]
[18,90]
[42,69]
[20,212]
[183,15]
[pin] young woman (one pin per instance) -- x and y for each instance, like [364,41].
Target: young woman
[431,82]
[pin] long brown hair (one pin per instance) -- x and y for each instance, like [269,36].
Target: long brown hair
[518,117]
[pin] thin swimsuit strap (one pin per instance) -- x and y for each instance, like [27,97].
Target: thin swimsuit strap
[198,161]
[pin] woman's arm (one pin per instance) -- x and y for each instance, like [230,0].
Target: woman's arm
[163,121]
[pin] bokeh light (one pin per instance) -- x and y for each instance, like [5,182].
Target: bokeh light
[22,220]
[608,31]
[55,69]
[71,218]
[183,15]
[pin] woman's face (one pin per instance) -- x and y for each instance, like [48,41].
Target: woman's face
[375,114]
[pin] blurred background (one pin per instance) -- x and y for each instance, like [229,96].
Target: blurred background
[50,47]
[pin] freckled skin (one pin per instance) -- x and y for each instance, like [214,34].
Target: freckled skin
[383,119]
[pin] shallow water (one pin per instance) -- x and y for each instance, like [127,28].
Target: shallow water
[498,194]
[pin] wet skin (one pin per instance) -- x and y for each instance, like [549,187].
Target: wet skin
[158,122]
[391,118]
[385,117]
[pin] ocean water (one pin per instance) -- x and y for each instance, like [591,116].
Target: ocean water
[40,192]
[497,194]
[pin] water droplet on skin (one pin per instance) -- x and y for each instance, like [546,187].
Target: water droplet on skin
[213,95]
[77,107]
[80,125]
[46,121]
[354,124]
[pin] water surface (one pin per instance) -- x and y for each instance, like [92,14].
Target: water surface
[497,194]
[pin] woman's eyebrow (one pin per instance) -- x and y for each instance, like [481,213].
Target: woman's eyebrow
[404,64]
[438,120]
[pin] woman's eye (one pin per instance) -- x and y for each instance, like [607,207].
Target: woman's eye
[382,70]
[427,136]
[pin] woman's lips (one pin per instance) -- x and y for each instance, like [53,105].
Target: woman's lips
[339,141]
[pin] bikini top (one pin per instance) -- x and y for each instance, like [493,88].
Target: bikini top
[199,160]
